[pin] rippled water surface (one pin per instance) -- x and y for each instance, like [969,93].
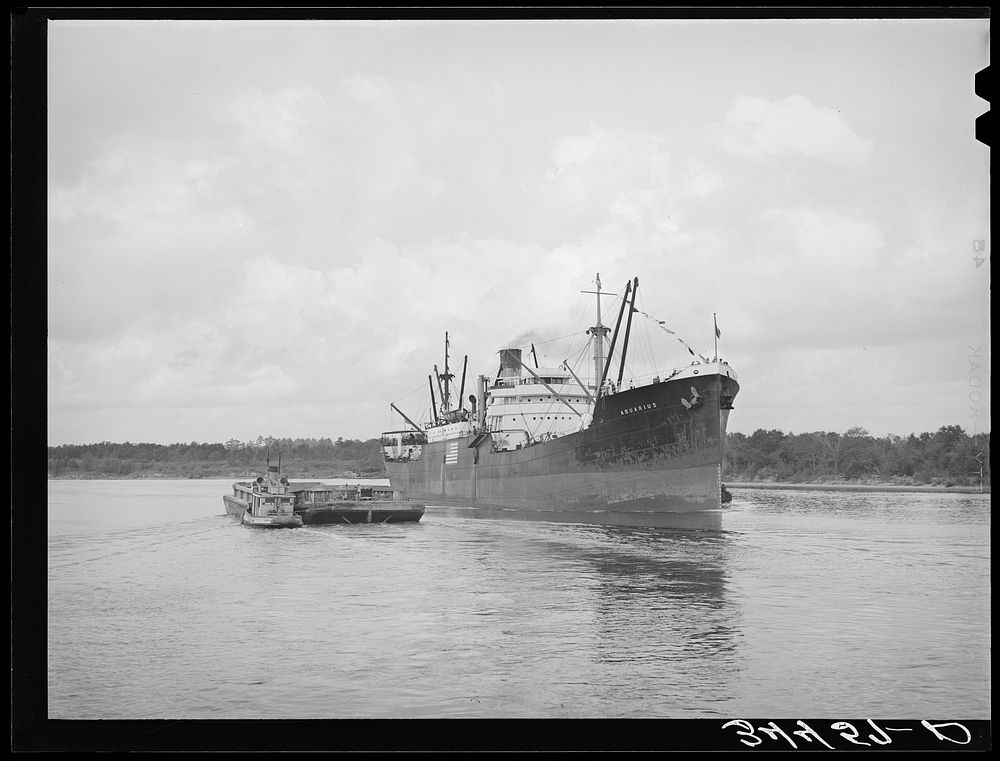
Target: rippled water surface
[807,604]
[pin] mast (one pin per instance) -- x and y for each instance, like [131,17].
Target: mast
[446,377]
[440,389]
[461,392]
[715,324]
[614,339]
[599,331]
[433,403]
[628,329]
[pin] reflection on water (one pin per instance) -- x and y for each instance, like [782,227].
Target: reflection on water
[659,606]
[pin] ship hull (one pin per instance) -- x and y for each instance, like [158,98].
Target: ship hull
[271,521]
[651,457]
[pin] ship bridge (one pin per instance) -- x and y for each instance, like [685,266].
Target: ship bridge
[526,407]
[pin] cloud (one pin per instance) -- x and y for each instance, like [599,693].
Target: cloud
[342,166]
[151,228]
[758,128]
[591,171]
[818,279]
[887,389]
[279,120]
[372,90]
[139,234]
[625,188]
[575,149]
[700,180]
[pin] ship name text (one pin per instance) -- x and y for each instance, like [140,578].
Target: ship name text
[638,408]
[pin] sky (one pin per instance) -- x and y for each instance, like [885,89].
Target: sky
[267,227]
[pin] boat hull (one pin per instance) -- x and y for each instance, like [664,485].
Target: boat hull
[271,521]
[234,507]
[651,457]
[367,512]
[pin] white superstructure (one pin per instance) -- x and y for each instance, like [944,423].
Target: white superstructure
[528,408]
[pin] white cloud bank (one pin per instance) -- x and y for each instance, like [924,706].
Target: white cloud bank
[759,128]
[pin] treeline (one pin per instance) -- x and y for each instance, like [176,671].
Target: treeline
[298,457]
[948,457]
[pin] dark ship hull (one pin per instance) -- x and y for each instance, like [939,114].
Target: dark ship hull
[652,456]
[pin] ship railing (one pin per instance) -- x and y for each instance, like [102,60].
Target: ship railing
[517,445]
[662,375]
[393,438]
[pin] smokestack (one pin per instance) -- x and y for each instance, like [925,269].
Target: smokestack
[510,362]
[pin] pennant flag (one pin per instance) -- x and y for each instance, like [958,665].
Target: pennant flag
[718,333]
[662,325]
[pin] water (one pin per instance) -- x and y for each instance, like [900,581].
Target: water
[808,604]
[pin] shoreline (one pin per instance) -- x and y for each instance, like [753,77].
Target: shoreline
[924,489]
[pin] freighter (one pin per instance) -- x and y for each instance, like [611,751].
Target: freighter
[538,443]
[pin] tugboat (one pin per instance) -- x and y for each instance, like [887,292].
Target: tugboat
[540,444]
[271,501]
[266,502]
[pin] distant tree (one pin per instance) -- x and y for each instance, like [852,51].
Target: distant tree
[735,453]
[858,454]
[831,444]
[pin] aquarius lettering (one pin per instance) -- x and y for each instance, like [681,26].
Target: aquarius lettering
[638,408]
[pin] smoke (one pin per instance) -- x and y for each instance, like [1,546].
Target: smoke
[526,339]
